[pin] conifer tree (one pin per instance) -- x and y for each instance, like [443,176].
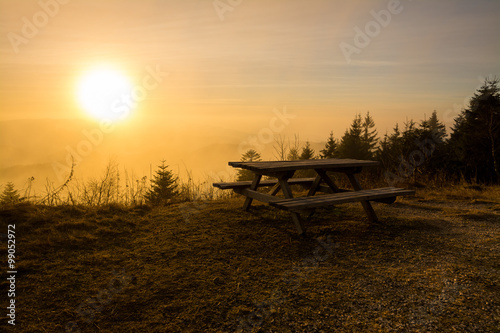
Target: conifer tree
[331,148]
[250,156]
[369,137]
[9,195]
[163,186]
[434,127]
[293,154]
[352,144]
[474,145]
[390,149]
[431,135]
[307,152]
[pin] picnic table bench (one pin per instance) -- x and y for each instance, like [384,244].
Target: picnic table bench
[282,172]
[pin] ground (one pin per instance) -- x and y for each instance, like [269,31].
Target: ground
[432,265]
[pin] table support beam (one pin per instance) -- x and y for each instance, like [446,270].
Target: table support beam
[287,191]
[372,217]
[322,173]
[253,187]
[315,186]
[275,189]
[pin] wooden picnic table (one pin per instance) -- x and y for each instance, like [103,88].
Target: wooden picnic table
[281,173]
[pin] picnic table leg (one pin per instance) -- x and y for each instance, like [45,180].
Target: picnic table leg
[372,217]
[283,181]
[328,180]
[255,184]
[314,186]
[275,189]
[322,176]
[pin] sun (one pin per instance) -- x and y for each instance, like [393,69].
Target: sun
[105,93]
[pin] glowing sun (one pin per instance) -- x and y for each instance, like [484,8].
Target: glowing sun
[103,92]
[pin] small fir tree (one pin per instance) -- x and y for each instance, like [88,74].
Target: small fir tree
[307,152]
[163,186]
[351,144]
[331,148]
[360,140]
[293,154]
[250,156]
[369,137]
[9,195]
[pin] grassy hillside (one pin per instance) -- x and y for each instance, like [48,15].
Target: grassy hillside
[433,265]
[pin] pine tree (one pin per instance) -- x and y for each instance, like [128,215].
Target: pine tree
[331,148]
[369,137]
[433,127]
[351,144]
[474,144]
[250,156]
[307,152]
[293,154]
[430,141]
[390,149]
[9,195]
[163,186]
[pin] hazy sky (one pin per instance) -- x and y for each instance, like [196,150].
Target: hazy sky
[230,63]
[254,56]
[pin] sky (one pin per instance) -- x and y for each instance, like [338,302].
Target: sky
[229,70]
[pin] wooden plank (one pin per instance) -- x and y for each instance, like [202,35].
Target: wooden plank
[302,164]
[326,189]
[326,200]
[263,183]
[301,203]
[281,166]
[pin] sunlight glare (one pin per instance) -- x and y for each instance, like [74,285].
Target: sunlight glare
[103,93]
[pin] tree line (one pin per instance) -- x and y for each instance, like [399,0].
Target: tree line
[417,152]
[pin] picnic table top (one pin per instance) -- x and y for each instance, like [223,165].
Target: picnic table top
[328,163]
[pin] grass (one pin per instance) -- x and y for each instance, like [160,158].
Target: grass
[432,266]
